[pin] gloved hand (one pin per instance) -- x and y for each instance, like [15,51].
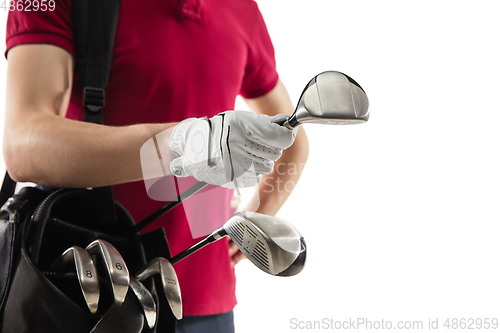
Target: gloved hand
[231,149]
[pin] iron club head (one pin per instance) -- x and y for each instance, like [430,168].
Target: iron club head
[270,243]
[169,280]
[146,300]
[331,98]
[85,271]
[115,267]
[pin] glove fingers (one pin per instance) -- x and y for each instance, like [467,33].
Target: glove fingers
[279,118]
[262,129]
[261,151]
[262,166]
[247,179]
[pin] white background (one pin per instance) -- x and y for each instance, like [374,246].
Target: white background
[401,214]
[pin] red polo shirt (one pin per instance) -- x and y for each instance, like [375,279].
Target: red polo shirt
[172,61]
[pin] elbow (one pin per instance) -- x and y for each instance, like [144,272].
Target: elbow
[15,163]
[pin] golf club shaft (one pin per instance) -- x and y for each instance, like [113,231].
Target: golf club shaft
[213,237]
[167,207]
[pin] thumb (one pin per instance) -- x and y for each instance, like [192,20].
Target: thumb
[279,118]
[177,167]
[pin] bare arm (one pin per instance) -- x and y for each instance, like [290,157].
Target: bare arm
[276,187]
[43,147]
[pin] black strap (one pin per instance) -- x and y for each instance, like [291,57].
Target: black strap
[95,27]
[8,188]
[94,34]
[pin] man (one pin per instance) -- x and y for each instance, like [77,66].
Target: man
[172,60]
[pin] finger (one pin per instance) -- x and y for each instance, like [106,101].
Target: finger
[261,129]
[261,166]
[247,178]
[235,203]
[237,258]
[177,167]
[232,248]
[279,119]
[272,134]
[265,152]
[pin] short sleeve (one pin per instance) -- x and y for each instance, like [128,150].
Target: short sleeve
[27,26]
[260,72]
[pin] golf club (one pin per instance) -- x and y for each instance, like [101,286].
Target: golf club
[270,243]
[169,280]
[146,300]
[85,271]
[329,98]
[115,267]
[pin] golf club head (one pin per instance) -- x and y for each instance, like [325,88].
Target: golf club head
[85,271]
[115,267]
[169,280]
[146,300]
[331,98]
[270,243]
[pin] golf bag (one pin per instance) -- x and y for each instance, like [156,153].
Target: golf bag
[37,226]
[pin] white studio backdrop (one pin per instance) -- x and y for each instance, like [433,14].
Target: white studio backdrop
[401,214]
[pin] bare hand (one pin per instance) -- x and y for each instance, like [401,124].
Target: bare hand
[235,254]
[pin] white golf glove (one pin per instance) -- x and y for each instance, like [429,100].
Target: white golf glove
[231,149]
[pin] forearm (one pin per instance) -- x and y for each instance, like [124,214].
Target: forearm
[275,188]
[53,151]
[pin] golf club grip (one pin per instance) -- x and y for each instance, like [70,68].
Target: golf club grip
[213,237]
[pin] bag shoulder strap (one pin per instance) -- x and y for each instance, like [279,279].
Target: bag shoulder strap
[8,188]
[95,23]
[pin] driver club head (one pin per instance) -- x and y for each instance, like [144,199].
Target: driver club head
[331,98]
[270,243]
[85,271]
[169,280]
[115,267]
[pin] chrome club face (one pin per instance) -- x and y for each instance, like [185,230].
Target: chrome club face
[85,271]
[169,280]
[115,267]
[147,302]
[270,243]
[331,98]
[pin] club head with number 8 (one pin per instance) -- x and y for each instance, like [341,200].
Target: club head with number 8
[85,271]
